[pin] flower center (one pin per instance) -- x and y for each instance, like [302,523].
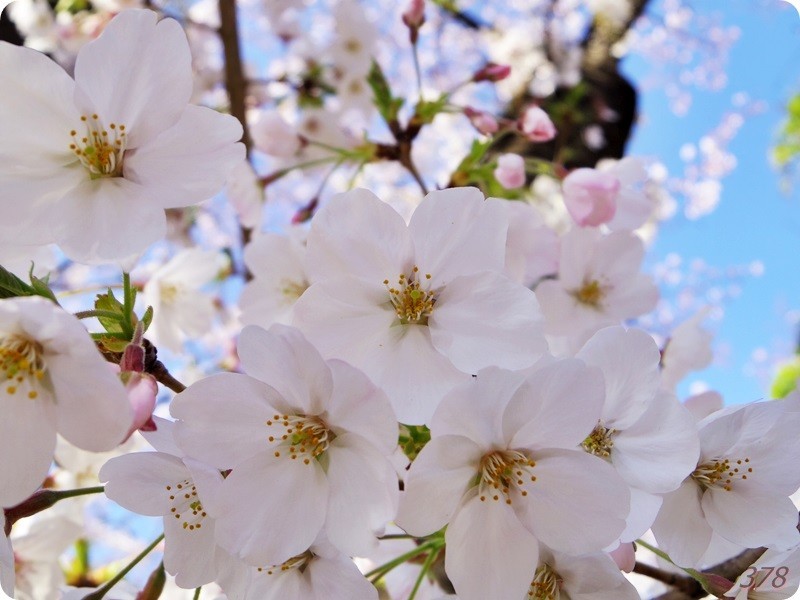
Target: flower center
[100,150]
[502,471]
[600,441]
[546,584]
[23,366]
[353,45]
[412,302]
[721,472]
[292,290]
[185,505]
[300,436]
[299,562]
[591,293]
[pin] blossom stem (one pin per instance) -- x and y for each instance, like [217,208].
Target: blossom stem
[197,593]
[379,572]
[128,298]
[432,555]
[417,70]
[42,500]
[101,592]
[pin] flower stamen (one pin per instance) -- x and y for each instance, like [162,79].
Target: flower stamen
[22,363]
[591,293]
[503,471]
[299,436]
[100,150]
[546,584]
[412,302]
[186,506]
[600,441]
[721,473]
[299,562]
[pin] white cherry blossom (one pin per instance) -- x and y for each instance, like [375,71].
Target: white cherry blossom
[46,362]
[309,443]
[418,307]
[749,466]
[504,472]
[113,148]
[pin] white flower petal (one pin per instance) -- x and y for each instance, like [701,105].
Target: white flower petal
[456,232]
[189,162]
[681,528]
[274,508]
[222,419]
[189,554]
[27,443]
[629,360]
[338,577]
[357,405]
[557,407]
[489,554]
[437,480]
[487,320]
[96,417]
[752,519]
[358,234]
[363,494]
[137,73]
[138,481]
[284,359]
[106,220]
[577,504]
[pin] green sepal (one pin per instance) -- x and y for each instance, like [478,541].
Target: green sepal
[388,106]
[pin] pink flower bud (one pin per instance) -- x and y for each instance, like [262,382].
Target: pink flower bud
[492,72]
[132,358]
[482,121]
[624,556]
[510,171]
[142,391]
[591,196]
[414,15]
[536,125]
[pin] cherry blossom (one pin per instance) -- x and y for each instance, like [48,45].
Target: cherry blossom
[114,148]
[309,444]
[47,358]
[494,472]
[748,467]
[408,304]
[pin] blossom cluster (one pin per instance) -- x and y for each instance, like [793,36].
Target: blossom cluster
[450,391]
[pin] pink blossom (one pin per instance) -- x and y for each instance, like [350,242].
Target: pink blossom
[510,171]
[492,72]
[536,125]
[414,15]
[591,196]
[482,121]
[142,391]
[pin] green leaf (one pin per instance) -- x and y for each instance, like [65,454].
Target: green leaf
[41,287]
[785,380]
[147,318]
[12,286]
[108,302]
[426,110]
[388,106]
[111,343]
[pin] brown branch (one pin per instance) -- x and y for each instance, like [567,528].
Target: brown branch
[730,569]
[686,584]
[164,377]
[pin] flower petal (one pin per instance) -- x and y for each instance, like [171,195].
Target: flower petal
[106,220]
[27,443]
[189,554]
[137,73]
[189,162]
[437,480]
[358,234]
[222,419]
[363,494]
[489,555]
[337,578]
[577,504]
[285,360]
[456,232]
[138,481]
[285,503]
[511,338]
[681,528]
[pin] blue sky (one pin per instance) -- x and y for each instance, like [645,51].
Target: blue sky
[756,219]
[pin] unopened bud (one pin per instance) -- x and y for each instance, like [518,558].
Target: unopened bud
[492,72]
[536,125]
[482,121]
[414,15]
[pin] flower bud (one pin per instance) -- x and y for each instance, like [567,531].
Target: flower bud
[591,196]
[482,121]
[510,171]
[492,72]
[536,125]
[625,556]
[414,15]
